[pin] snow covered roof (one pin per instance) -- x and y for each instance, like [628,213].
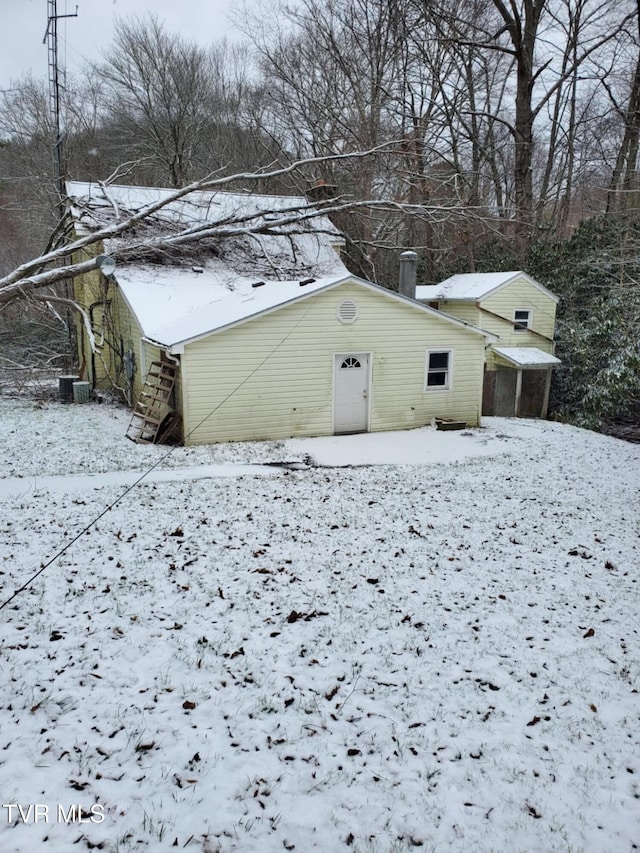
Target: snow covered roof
[95,205]
[258,252]
[473,286]
[178,295]
[527,356]
[174,304]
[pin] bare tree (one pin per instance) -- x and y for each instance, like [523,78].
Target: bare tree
[552,43]
[351,74]
[26,157]
[31,278]
[491,102]
[623,178]
[160,91]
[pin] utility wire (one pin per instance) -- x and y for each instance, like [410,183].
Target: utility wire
[146,473]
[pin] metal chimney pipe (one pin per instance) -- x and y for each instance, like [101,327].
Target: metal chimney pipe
[408,274]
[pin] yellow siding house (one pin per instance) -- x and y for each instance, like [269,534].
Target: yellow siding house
[266,335]
[521,313]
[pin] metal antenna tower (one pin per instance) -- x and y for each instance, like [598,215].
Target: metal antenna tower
[56,89]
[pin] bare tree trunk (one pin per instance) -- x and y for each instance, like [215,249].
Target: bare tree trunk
[624,171]
[523,31]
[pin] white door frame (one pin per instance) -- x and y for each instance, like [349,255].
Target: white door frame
[335,361]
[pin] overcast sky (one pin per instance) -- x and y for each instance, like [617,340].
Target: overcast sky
[23,24]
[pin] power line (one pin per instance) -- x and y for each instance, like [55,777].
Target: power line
[146,473]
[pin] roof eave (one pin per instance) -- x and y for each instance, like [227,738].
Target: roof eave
[180,344]
[509,281]
[444,297]
[488,336]
[538,365]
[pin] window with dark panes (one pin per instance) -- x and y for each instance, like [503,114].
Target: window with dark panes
[438,369]
[521,319]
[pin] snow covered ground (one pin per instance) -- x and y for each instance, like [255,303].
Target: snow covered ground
[437,648]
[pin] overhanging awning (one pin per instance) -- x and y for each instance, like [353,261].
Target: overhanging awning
[531,358]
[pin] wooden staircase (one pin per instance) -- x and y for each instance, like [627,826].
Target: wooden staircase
[154,421]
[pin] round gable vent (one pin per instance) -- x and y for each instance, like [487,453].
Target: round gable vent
[347,311]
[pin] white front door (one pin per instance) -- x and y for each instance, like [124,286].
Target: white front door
[351,392]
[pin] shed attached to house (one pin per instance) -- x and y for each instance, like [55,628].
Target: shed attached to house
[521,313]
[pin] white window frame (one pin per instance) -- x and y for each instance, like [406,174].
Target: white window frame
[429,370]
[521,326]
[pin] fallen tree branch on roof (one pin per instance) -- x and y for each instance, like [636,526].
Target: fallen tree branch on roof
[138,228]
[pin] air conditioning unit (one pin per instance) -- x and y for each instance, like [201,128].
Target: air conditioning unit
[81,392]
[65,388]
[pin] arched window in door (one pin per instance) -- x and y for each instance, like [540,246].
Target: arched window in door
[350,363]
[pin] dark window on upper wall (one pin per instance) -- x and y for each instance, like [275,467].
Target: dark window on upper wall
[439,369]
[521,319]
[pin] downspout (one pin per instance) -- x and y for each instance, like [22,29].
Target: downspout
[94,305]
